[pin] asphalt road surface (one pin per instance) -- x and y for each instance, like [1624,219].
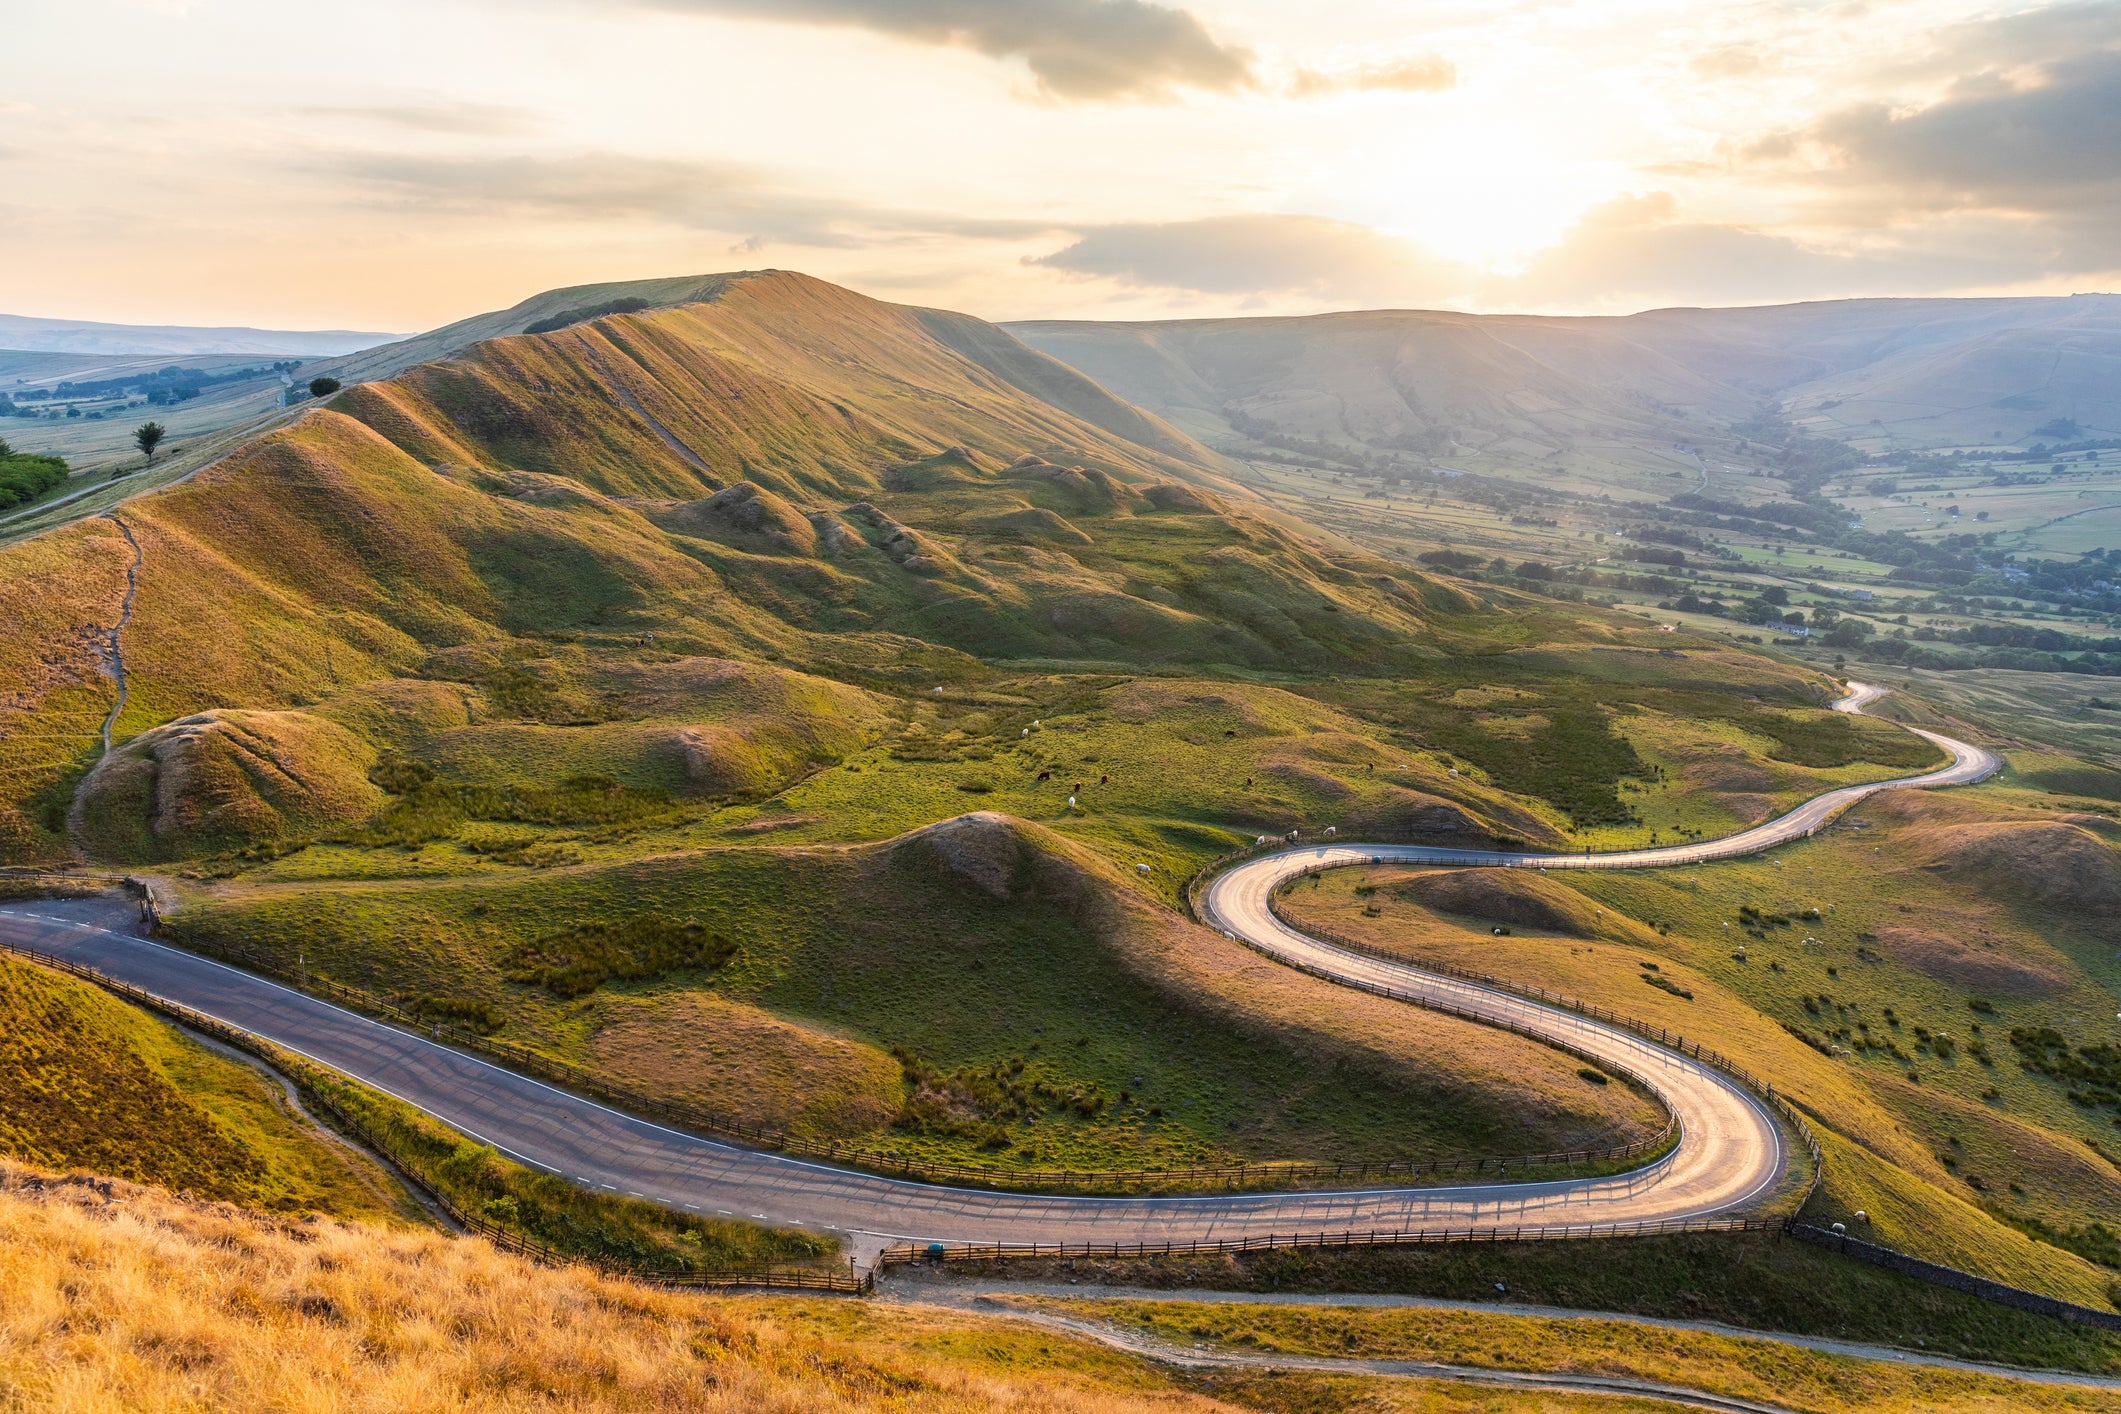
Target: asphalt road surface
[1731,1153]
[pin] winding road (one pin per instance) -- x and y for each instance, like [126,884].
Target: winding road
[1731,1153]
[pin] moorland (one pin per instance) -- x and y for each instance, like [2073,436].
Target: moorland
[817,709]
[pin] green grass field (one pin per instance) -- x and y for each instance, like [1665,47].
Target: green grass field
[619,716]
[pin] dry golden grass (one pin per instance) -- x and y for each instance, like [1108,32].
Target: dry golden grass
[117,1297]
[749,1064]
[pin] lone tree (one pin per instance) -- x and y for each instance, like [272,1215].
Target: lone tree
[149,435]
[323,387]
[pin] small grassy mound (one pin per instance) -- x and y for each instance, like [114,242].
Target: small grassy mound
[1504,896]
[1045,1010]
[225,780]
[87,1082]
[747,1063]
[2043,862]
[746,516]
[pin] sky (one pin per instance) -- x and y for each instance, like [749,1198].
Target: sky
[396,164]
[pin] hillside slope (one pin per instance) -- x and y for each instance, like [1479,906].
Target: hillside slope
[89,1083]
[116,1297]
[788,472]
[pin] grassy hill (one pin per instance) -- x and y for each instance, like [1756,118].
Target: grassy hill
[814,708]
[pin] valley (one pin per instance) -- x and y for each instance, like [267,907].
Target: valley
[839,719]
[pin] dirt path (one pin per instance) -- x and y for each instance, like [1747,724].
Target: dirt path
[115,653]
[114,665]
[969,1293]
[1202,1357]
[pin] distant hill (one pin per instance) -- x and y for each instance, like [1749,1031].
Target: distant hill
[1895,372]
[86,336]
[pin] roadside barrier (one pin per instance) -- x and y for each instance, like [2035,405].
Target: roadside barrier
[910,1252]
[1936,1274]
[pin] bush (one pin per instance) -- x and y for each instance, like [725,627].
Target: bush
[481,1015]
[24,477]
[578,960]
[627,305]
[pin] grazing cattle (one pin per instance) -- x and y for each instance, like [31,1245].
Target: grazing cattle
[1045,775]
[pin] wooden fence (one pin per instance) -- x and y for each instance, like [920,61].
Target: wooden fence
[909,1252]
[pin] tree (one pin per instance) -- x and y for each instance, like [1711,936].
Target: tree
[323,387]
[149,436]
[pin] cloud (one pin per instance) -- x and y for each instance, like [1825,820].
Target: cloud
[456,118]
[1639,251]
[1632,253]
[1422,74]
[1077,49]
[2050,142]
[725,197]
[2001,43]
[1261,254]
[1735,61]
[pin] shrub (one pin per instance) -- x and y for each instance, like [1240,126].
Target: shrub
[24,477]
[626,305]
[578,960]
